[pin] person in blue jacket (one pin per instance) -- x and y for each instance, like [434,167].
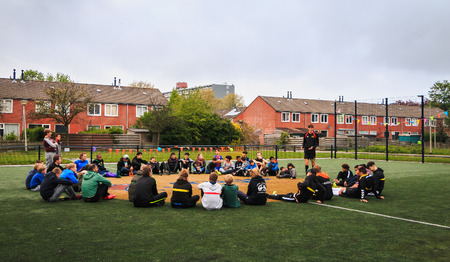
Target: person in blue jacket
[272,167]
[82,162]
[36,181]
[32,173]
[70,173]
[250,166]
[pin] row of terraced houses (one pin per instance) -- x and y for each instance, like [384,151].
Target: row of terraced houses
[121,106]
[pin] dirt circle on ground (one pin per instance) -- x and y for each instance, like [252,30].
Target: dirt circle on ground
[165,184]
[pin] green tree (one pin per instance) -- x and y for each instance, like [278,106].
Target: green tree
[65,101]
[39,76]
[142,84]
[156,121]
[232,100]
[284,139]
[440,96]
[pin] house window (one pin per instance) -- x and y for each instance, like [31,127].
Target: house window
[363,132]
[6,106]
[374,133]
[414,122]
[111,110]
[340,119]
[60,129]
[324,133]
[394,121]
[407,121]
[314,118]
[46,104]
[140,110]
[373,120]
[365,120]
[89,127]
[386,120]
[45,126]
[108,127]
[348,119]
[324,118]
[296,117]
[94,110]
[64,109]
[285,116]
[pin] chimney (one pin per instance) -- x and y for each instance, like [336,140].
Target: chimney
[14,75]
[291,94]
[115,82]
[119,85]
[22,81]
[287,95]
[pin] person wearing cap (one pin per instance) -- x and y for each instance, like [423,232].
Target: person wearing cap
[124,166]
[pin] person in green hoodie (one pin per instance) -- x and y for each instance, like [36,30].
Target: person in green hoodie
[95,187]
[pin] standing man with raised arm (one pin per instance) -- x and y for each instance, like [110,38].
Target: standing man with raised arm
[310,142]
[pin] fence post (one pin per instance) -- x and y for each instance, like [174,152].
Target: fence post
[137,148]
[386,133]
[39,152]
[294,149]
[356,130]
[91,153]
[331,151]
[179,152]
[276,151]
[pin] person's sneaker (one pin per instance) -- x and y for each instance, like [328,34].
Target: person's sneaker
[63,198]
[109,197]
[274,193]
[218,172]
[77,197]
[118,176]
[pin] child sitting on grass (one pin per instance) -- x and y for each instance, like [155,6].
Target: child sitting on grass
[95,187]
[35,183]
[100,165]
[52,187]
[288,172]
[186,162]
[211,199]
[32,172]
[229,193]
[256,192]
[252,165]
[199,164]
[182,192]
[146,194]
[343,175]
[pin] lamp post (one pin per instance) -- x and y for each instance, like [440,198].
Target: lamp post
[24,123]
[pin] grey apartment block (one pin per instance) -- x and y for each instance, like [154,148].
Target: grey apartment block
[220,90]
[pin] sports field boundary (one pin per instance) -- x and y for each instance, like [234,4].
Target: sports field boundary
[381,215]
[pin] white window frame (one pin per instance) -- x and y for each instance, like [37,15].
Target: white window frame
[394,120]
[321,118]
[37,107]
[45,126]
[316,116]
[373,133]
[94,127]
[294,115]
[340,119]
[373,120]
[57,108]
[348,119]
[95,105]
[407,121]
[3,106]
[363,132]
[109,126]
[414,122]
[365,120]
[283,116]
[386,120]
[111,105]
[139,111]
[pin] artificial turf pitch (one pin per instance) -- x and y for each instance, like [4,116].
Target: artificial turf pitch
[33,230]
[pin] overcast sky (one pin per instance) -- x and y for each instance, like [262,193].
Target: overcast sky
[316,49]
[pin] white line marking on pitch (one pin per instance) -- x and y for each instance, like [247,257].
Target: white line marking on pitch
[381,215]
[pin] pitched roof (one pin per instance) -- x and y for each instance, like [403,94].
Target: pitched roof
[34,90]
[230,113]
[281,104]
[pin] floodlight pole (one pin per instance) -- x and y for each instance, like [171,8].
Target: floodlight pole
[423,130]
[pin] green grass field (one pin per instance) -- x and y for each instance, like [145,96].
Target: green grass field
[33,230]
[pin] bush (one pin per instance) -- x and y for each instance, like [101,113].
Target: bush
[11,137]
[34,134]
[284,139]
[112,130]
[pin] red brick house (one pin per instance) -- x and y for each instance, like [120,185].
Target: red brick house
[113,106]
[294,115]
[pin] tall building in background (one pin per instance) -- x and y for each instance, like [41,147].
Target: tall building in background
[220,90]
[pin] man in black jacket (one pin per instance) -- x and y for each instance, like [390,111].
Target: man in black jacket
[256,192]
[146,194]
[378,178]
[52,187]
[310,142]
[56,163]
[137,162]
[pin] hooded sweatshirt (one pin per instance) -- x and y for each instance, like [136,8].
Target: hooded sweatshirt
[49,185]
[29,177]
[211,199]
[90,183]
[257,191]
